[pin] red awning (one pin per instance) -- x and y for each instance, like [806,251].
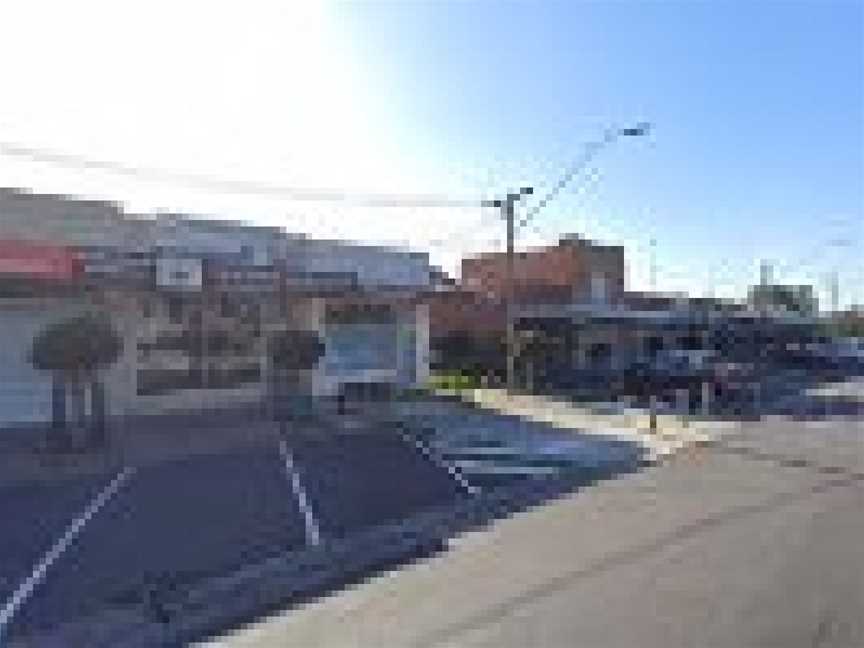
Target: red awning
[28,260]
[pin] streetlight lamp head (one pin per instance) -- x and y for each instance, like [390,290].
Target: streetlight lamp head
[638,130]
[527,190]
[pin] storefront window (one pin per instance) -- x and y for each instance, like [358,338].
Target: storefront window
[361,337]
[175,310]
[220,346]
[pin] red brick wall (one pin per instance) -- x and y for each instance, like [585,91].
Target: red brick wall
[568,266]
[555,274]
[464,311]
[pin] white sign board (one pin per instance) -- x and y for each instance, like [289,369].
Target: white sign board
[180,274]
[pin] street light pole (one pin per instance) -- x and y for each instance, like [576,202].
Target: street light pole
[507,207]
[508,213]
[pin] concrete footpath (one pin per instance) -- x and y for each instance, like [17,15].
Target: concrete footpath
[662,438]
[709,550]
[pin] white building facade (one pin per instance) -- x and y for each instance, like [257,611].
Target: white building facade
[195,302]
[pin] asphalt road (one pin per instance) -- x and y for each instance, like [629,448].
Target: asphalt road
[782,566]
[134,532]
[357,480]
[34,515]
[752,544]
[179,520]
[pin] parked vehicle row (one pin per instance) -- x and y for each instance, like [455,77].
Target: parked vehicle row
[666,374]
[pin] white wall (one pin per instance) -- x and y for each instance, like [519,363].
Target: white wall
[421,345]
[374,266]
[25,393]
[207,237]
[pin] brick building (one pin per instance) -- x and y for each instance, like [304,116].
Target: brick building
[575,269]
[468,320]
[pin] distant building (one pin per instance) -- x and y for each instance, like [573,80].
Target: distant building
[850,322]
[468,320]
[571,309]
[780,298]
[575,269]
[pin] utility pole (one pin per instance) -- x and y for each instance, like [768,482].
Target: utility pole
[507,206]
[765,273]
[835,291]
[653,266]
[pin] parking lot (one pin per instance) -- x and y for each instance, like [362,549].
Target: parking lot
[197,503]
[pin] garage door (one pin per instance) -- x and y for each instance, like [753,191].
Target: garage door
[25,394]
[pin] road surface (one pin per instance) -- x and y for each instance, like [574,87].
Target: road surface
[186,502]
[740,546]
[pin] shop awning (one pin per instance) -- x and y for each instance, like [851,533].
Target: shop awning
[38,261]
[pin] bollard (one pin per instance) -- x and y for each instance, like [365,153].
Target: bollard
[652,415]
[706,399]
[682,400]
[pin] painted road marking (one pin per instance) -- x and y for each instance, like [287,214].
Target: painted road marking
[26,588]
[476,466]
[452,470]
[313,532]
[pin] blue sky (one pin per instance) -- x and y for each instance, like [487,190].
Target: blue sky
[757,149]
[757,106]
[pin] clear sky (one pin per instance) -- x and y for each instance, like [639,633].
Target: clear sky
[757,149]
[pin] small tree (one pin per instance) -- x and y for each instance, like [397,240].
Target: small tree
[74,350]
[291,351]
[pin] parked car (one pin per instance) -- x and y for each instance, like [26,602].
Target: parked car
[825,359]
[843,354]
[668,371]
[730,377]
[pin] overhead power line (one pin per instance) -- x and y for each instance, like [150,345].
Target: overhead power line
[588,154]
[590,150]
[230,186]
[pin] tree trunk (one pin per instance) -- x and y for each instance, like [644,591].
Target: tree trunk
[98,432]
[280,394]
[57,436]
[79,407]
[75,428]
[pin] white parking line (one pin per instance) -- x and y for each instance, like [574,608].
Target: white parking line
[313,533]
[37,576]
[492,468]
[454,472]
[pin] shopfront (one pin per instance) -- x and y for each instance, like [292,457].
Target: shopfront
[40,283]
[195,331]
[200,334]
[195,302]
